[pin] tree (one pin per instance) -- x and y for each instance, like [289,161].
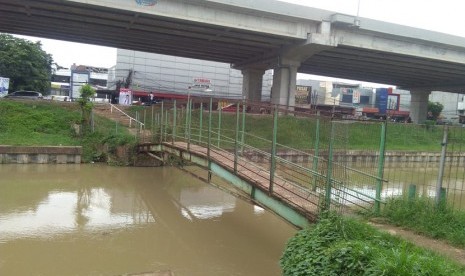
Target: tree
[87,92]
[434,109]
[25,63]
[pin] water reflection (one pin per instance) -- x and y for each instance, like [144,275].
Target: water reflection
[205,203]
[64,212]
[100,220]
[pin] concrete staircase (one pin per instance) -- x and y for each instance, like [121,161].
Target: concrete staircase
[119,114]
[105,110]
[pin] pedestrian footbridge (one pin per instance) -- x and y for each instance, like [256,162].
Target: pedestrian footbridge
[295,184]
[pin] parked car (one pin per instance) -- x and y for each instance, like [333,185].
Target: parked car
[32,95]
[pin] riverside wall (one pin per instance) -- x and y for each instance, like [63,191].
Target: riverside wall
[40,155]
[366,158]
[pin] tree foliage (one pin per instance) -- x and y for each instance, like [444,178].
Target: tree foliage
[25,63]
[87,92]
[435,108]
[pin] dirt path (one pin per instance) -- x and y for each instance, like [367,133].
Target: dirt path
[437,246]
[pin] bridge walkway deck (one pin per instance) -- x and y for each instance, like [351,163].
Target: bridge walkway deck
[303,200]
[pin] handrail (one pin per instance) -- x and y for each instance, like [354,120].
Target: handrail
[124,113]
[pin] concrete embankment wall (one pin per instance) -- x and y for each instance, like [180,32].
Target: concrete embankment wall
[40,155]
[367,158]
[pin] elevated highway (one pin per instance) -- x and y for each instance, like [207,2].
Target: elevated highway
[254,36]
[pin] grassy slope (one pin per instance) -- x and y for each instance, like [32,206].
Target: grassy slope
[48,123]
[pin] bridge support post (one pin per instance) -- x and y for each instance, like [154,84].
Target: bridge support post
[419,105]
[284,84]
[379,184]
[273,148]
[252,81]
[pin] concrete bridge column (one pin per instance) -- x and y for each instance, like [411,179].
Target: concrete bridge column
[284,84]
[419,105]
[252,80]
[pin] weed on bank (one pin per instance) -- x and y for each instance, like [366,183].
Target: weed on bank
[340,246]
[423,216]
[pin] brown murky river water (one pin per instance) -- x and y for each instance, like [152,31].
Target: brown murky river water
[101,220]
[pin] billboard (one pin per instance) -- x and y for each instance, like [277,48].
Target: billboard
[4,85]
[201,85]
[382,99]
[78,79]
[125,96]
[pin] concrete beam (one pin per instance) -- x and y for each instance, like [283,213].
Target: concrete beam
[392,44]
[220,13]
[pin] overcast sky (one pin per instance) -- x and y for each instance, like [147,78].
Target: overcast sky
[445,16]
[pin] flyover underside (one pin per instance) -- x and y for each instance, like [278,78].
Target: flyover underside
[384,67]
[125,29]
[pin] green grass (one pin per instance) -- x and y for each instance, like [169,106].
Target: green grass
[36,123]
[338,246]
[41,123]
[422,216]
[300,133]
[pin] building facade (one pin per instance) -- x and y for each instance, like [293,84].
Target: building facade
[171,74]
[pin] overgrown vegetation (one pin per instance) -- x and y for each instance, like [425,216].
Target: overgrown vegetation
[36,123]
[338,246]
[423,216]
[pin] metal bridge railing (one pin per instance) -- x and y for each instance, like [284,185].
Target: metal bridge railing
[339,164]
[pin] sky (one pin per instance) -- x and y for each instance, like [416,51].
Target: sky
[446,16]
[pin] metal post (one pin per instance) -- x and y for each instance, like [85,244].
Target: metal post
[442,163]
[201,122]
[167,119]
[330,170]
[219,125]
[145,111]
[161,122]
[317,150]
[189,116]
[412,190]
[187,119]
[273,148]
[236,138]
[209,138]
[243,127]
[379,182]
[152,124]
[174,121]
